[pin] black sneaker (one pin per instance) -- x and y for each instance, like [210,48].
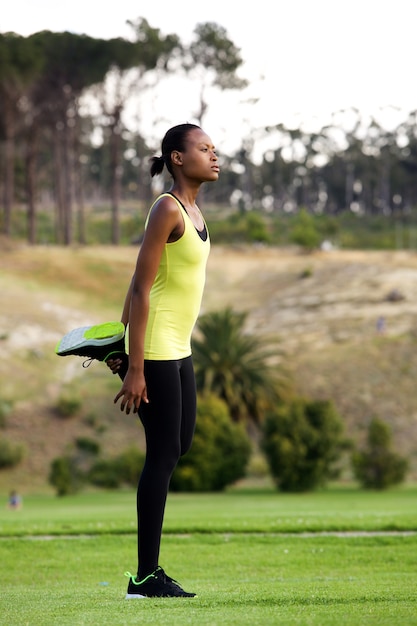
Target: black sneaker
[100,342]
[156,585]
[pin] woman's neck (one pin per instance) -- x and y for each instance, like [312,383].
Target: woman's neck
[187,196]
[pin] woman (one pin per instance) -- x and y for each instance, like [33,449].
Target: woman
[161,308]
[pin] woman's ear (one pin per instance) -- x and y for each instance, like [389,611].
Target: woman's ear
[176,157]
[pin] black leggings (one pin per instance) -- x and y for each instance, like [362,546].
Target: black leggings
[169,423]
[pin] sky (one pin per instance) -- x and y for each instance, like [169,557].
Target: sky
[305,59]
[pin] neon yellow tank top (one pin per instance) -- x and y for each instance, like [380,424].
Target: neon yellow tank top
[176,294]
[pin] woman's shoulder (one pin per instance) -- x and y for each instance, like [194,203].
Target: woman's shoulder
[164,207]
[165,201]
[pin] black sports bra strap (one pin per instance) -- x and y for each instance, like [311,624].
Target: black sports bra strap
[201,233]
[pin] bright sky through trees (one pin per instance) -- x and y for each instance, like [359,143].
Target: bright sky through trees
[305,59]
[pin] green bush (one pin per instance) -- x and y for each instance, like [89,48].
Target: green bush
[129,465]
[123,469]
[68,406]
[378,466]
[219,454]
[65,476]
[10,454]
[87,445]
[301,441]
[304,231]
[5,409]
[104,474]
[257,229]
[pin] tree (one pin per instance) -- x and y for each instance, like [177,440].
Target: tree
[64,476]
[72,63]
[377,466]
[302,440]
[235,365]
[18,66]
[213,60]
[150,52]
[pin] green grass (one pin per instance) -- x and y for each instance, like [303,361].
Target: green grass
[239,580]
[236,511]
[242,552]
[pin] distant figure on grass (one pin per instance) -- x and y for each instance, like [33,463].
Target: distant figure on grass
[380,325]
[15,501]
[161,308]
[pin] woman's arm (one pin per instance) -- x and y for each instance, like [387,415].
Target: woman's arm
[164,219]
[126,307]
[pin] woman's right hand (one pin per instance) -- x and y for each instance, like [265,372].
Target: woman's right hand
[133,392]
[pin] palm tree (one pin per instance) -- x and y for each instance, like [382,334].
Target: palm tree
[235,365]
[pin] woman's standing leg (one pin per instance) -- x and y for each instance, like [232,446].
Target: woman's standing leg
[169,421]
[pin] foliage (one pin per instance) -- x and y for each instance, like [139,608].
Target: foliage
[219,454]
[234,365]
[212,60]
[123,469]
[103,473]
[257,228]
[5,409]
[304,231]
[129,465]
[378,466]
[65,476]
[87,445]
[68,405]
[302,440]
[82,465]
[10,454]
[357,170]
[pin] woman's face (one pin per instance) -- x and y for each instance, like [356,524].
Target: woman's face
[199,160]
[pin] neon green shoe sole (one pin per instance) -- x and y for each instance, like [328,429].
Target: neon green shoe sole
[95,342]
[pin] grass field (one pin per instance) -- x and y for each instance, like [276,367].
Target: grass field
[253,557]
[335,557]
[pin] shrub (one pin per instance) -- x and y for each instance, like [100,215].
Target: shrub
[304,232]
[103,473]
[68,406]
[301,441]
[10,454]
[5,409]
[219,454]
[378,466]
[129,465]
[65,476]
[123,469]
[257,229]
[87,445]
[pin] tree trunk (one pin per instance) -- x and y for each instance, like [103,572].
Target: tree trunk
[9,130]
[59,184]
[68,158]
[116,171]
[31,145]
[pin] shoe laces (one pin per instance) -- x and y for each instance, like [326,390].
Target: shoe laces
[160,574]
[167,579]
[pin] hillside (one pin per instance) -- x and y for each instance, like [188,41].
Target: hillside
[321,309]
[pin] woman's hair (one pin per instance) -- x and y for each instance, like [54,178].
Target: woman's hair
[174,139]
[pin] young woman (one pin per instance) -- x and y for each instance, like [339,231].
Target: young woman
[161,308]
